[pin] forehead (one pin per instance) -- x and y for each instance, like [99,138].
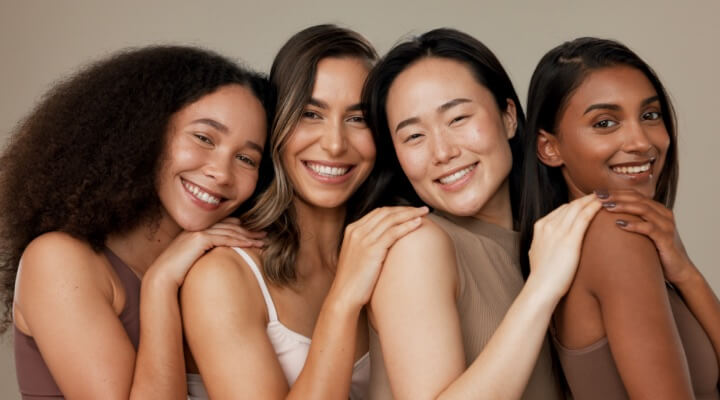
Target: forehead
[340,76]
[621,85]
[431,82]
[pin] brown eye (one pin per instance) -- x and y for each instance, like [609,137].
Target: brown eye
[604,124]
[651,116]
[203,138]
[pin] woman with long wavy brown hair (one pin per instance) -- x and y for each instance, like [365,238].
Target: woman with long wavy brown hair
[289,321]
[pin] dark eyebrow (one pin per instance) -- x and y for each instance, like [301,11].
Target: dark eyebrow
[355,107]
[649,100]
[217,125]
[603,106]
[452,103]
[404,123]
[444,107]
[253,145]
[318,103]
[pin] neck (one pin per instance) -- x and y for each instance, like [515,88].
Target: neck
[497,210]
[574,191]
[140,246]
[320,233]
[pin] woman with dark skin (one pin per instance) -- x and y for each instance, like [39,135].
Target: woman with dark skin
[599,118]
[125,172]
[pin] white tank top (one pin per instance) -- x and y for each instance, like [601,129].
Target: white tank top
[291,348]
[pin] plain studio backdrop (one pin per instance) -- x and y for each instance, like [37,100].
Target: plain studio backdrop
[44,41]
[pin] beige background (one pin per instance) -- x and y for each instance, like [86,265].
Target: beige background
[42,41]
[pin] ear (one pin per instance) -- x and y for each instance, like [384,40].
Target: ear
[547,149]
[509,117]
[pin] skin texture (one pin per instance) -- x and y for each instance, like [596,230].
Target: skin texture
[82,324]
[438,138]
[224,314]
[413,307]
[621,294]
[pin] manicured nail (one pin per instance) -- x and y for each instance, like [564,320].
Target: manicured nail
[602,193]
[621,223]
[608,204]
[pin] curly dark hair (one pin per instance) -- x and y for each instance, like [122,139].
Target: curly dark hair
[85,160]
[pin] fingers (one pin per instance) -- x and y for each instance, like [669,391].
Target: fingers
[584,217]
[395,232]
[368,223]
[239,235]
[394,218]
[628,196]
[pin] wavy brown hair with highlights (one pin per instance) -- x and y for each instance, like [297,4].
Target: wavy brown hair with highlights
[85,160]
[293,76]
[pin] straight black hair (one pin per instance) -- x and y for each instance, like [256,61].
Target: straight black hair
[558,74]
[440,43]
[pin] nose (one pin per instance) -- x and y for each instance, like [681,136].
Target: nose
[334,140]
[637,139]
[443,149]
[219,169]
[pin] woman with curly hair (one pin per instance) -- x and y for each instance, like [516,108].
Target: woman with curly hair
[288,322]
[110,190]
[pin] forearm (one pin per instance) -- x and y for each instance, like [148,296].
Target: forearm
[160,363]
[504,366]
[328,369]
[703,303]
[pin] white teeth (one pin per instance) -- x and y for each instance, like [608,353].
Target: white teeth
[456,176]
[632,170]
[200,194]
[327,170]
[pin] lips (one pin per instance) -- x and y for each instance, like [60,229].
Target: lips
[329,172]
[633,168]
[201,194]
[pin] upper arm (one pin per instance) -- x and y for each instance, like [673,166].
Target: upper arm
[66,300]
[413,309]
[622,270]
[225,327]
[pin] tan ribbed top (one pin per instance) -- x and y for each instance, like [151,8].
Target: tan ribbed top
[592,374]
[489,279]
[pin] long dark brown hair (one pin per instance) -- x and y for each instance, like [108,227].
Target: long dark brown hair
[293,75]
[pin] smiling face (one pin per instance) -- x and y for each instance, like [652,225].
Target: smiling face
[451,138]
[212,157]
[330,151]
[611,134]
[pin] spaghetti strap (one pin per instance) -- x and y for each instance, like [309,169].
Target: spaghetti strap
[272,313]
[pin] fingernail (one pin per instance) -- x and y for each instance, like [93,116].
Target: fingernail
[621,222]
[608,204]
[602,193]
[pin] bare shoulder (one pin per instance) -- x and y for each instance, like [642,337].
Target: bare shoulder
[223,275]
[423,261]
[54,267]
[429,240]
[57,258]
[616,258]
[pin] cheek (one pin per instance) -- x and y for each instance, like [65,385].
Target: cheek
[364,144]
[412,161]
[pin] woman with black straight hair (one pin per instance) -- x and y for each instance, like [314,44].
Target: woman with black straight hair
[451,315]
[639,320]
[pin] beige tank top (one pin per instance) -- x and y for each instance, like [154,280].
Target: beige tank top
[489,279]
[591,372]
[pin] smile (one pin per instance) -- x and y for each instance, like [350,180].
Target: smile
[632,169]
[327,170]
[200,194]
[457,175]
